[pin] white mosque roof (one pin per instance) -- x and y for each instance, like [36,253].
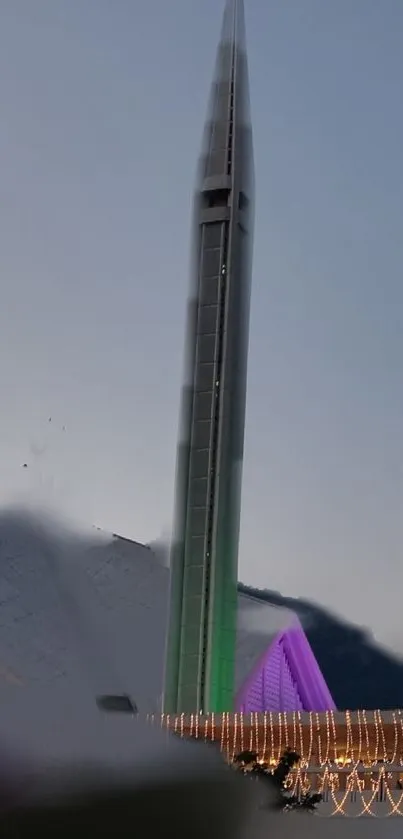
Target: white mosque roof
[92,613]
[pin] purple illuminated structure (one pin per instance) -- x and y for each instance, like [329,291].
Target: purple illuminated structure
[285,678]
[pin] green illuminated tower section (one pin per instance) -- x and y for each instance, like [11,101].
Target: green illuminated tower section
[204,556]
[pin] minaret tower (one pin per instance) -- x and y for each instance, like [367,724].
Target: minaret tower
[204,555]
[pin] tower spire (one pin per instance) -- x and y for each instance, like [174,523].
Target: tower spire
[229,97]
[233,24]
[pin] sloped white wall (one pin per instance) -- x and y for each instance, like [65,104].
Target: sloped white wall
[93,612]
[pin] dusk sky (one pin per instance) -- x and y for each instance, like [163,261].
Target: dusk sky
[102,104]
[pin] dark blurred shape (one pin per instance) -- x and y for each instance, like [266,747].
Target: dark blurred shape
[120,704]
[199,808]
[274,781]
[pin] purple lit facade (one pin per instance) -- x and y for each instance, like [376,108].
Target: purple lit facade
[285,678]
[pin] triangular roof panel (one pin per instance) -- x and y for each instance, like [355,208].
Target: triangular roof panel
[286,676]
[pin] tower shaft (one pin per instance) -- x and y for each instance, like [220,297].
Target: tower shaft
[204,555]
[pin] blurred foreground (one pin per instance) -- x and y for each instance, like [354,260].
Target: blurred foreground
[68,766]
[65,763]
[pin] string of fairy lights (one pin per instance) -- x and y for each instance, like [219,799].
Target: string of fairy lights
[346,757]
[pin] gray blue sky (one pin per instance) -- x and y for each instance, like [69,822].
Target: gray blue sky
[102,104]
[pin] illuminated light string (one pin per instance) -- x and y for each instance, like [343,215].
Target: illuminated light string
[243,730]
[367,755]
[356,784]
[323,739]
[255,720]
